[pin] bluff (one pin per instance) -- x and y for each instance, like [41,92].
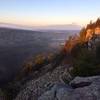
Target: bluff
[71,74]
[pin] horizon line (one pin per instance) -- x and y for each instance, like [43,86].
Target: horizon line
[30,26]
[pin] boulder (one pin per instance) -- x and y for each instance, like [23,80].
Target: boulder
[83,81]
[66,92]
[57,91]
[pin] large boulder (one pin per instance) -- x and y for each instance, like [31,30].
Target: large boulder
[57,92]
[83,81]
[66,92]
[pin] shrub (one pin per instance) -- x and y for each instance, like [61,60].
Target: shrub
[11,90]
[85,64]
[39,59]
[98,51]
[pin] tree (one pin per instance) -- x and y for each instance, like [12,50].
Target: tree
[97,23]
[82,35]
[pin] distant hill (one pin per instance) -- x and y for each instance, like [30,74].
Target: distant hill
[48,27]
[18,45]
[62,27]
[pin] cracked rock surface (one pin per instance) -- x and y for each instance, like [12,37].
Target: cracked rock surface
[66,92]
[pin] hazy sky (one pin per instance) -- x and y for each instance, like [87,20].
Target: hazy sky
[48,12]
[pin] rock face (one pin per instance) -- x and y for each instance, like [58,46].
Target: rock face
[66,92]
[53,86]
[81,81]
[57,92]
[35,88]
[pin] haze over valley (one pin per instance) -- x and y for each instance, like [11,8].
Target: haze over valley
[16,46]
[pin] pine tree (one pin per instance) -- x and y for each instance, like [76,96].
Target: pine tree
[82,35]
[97,23]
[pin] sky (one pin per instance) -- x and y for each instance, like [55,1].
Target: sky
[49,12]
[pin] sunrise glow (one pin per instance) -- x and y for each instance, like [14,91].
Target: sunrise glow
[48,12]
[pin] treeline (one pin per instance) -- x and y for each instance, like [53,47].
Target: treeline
[92,26]
[80,38]
[86,61]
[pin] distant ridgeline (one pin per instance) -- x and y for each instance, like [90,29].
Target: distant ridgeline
[88,36]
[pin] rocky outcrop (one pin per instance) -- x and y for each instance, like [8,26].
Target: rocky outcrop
[81,81]
[54,86]
[57,92]
[66,92]
[36,87]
